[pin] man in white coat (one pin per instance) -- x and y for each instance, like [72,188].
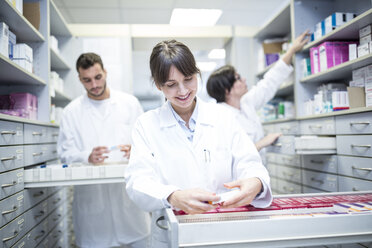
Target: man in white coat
[103,214]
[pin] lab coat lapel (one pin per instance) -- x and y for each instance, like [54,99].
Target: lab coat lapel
[203,123]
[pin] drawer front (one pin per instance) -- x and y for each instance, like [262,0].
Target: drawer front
[11,157]
[13,231]
[274,184]
[290,160]
[52,152]
[53,134]
[289,173]
[11,207]
[55,200]
[268,128]
[35,134]
[325,163]
[35,154]
[36,214]
[323,181]
[353,184]
[354,124]
[355,167]
[11,182]
[308,190]
[56,216]
[356,145]
[292,128]
[11,133]
[271,157]
[271,168]
[284,145]
[318,126]
[285,187]
[34,196]
[32,238]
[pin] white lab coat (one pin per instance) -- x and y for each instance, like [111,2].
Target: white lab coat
[256,98]
[164,160]
[103,214]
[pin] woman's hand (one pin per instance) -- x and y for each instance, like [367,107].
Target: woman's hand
[249,188]
[267,140]
[193,201]
[297,45]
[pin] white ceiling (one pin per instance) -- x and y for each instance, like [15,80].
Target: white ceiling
[235,12]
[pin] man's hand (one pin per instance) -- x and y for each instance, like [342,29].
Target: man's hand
[97,155]
[126,149]
[193,201]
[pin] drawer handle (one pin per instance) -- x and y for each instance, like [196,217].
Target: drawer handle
[285,128]
[40,193]
[58,217]
[278,144]
[55,134]
[8,158]
[287,159]
[54,151]
[355,189]
[317,180]
[15,208]
[288,174]
[288,189]
[41,213]
[363,146]
[42,232]
[364,169]
[161,218]
[9,184]
[360,123]
[8,132]
[316,162]
[37,154]
[56,201]
[315,126]
[11,237]
[37,134]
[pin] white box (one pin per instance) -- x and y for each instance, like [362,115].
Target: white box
[54,43]
[318,31]
[359,73]
[337,19]
[365,30]
[363,50]
[353,51]
[357,83]
[369,99]
[368,70]
[365,39]
[23,51]
[24,63]
[368,84]
[4,39]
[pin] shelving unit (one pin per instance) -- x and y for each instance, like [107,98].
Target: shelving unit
[58,62]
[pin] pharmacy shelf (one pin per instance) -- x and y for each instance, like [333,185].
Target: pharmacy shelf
[18,24]
[58,25]
[73,182]
[285,89]
[341,71]
[349,31]
[278,26]
[262,73]
[57,62]
[24,120]
[11,73]
[341,112]
[60,96]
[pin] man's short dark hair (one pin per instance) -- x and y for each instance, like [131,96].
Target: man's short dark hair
[87,60]
[219,81]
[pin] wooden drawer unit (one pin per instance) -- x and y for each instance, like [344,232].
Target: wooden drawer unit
[35,134]
[355,145]
[286,187]
[11,157]
[11,207]
[288,128]
[354,124]
[355,167]
[11,133]
[325,163]
[353,184]
[289,173]
[35,154]
[34,196]
[12,232]
[319,180]
[11,182]
[321,126]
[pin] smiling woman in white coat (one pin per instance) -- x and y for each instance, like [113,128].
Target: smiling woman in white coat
[188,151]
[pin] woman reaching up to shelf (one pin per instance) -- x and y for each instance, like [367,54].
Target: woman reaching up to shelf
[228,88]
[187,152]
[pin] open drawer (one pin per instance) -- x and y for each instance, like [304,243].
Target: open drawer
[315,145]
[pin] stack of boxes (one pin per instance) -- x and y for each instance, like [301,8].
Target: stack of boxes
[19,104]
[23,56]
[365,44]
[4,39]
[360,90]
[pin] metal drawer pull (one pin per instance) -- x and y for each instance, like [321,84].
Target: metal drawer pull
[278,144]
[315,126]
[8,158]
[285,128]
[37,133]
[316,162]
[40,193]
[54,151]
[363,146]
[41,213]
[9,184]
[159,225]
[55,134]
[360,123]
[12,237]
[42,232]
[15,208]
[37,154]
[56,200]
[365,169]
[355,189]
[58,217]
[8,132]
[317,180]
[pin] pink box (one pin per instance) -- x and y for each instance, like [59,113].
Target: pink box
[314,60]
[4,102]
[326,55]
[25,103]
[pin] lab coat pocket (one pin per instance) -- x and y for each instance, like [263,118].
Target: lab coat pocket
[221,165]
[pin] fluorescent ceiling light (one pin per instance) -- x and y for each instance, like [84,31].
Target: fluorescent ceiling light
[206,66]
[195,17]
[217,54]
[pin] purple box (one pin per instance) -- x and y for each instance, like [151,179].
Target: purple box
[326,55]
[25,103]
[314,60]
[271,58]
[4,102]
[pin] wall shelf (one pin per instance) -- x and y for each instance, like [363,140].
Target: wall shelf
[58,25]
[18,24]
[60,96]
[335,113]
[24,120]
[57,62]
[285,89]
[262,73]
[11,73]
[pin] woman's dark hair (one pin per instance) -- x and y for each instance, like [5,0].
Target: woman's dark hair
[168,53]
[219,81]
[87,60]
